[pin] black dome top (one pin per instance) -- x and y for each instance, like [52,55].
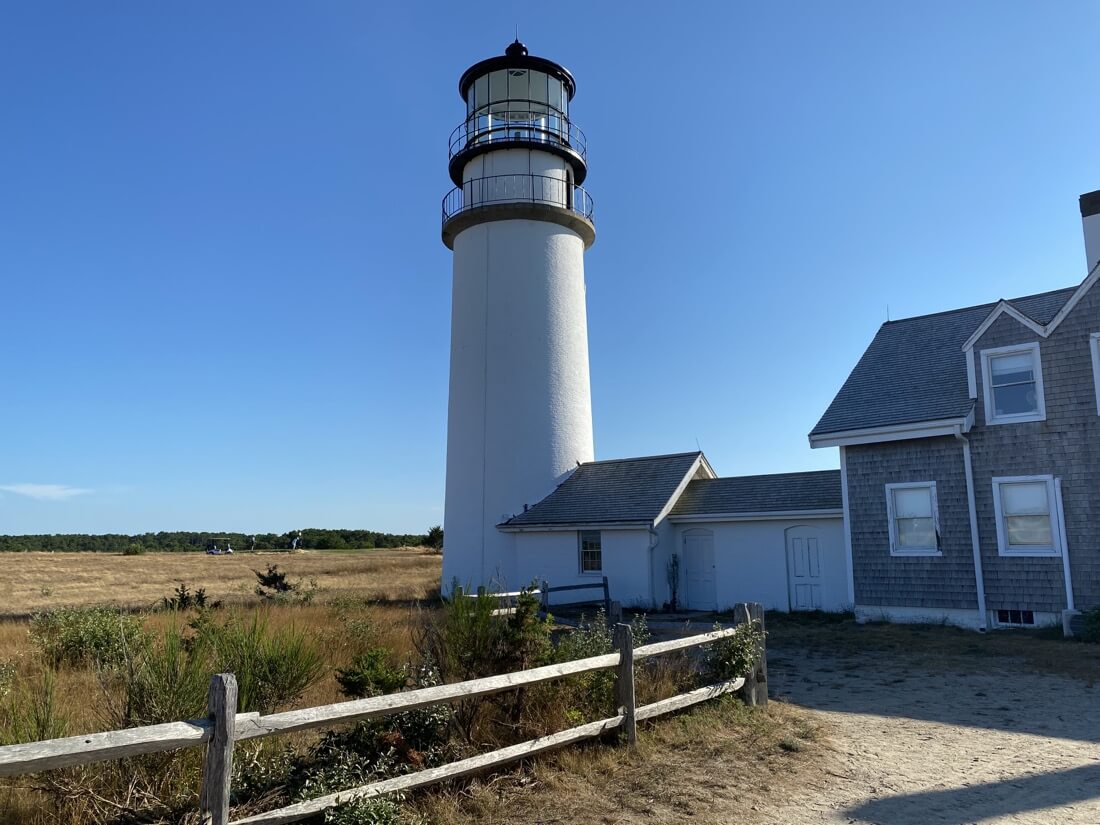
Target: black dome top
[516,57]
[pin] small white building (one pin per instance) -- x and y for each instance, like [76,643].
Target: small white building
[648,522]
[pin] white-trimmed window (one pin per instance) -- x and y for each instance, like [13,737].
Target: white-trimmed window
[914,520]
[1094,349]
[591,550]
[1012,378]
[1027,516]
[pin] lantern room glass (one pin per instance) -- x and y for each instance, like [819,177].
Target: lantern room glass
[517,104]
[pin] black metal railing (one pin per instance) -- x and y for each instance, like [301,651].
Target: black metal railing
[518,125]
[498,189]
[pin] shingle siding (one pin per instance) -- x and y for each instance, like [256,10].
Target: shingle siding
[1066,444]
[882,580]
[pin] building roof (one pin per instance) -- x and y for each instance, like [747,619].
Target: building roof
[620,491]
[914,369]
[780,493]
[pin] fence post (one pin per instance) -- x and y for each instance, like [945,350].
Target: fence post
[624,681]
[606,598]
[755,691]
[545,595]
[217,765]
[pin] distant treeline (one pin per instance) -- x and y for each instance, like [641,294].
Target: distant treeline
[184,542]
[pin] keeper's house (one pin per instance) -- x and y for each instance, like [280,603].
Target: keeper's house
[970,459]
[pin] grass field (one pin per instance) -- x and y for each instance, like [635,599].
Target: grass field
[37,581]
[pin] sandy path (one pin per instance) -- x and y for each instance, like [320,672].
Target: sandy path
[913,746]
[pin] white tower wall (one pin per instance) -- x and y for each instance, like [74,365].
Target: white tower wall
[520,411]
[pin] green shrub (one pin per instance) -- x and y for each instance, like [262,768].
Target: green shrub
[1092,625]
[134,549]
[272,585]
[380,810]
[167,680]
[370,674]
[100,636]
[734,656]
[183,599]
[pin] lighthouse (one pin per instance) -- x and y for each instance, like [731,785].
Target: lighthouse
[519,416]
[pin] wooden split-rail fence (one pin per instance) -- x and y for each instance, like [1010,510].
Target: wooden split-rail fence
[223,726]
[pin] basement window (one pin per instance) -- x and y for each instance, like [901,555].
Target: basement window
[591,550]
[1018,618]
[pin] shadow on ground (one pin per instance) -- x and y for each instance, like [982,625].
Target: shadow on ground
[985,801]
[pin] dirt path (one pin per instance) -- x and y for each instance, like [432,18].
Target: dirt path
[910,745]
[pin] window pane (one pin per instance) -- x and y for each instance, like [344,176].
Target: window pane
[538,86]
[518,84]
[554,94]
[1014,399]
[1009,369]
[1029,530]
[498,85]
[591,553]
[1025,498]
[481,90]
[915,502]
[916,532]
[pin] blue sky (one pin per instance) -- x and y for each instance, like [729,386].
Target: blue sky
[226,304]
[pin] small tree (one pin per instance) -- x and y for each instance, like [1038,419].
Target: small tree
[434,538]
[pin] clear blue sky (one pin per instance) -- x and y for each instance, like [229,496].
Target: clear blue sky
[226,304]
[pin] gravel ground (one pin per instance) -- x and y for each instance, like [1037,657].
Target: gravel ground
[915,745]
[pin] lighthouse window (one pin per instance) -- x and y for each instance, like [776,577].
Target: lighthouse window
[553,94]
[591,551]
[538,87]
[498,85]
[519,84]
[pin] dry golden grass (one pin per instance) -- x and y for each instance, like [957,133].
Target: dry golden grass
[710,765]
[36,581]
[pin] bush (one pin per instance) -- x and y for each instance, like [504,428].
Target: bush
[183,599]
[32,713]
[134,549]
[85,635]
[274,586]
[1092,625]
[734,656]
[370,674]
[381,810]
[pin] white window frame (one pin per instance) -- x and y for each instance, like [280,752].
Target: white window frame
[895,548]
[580,553]
[987,387]
[1094,349]
[1054,550]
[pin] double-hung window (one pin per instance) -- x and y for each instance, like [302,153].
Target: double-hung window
[591,550]
[1013,381]
[1027,516]
[914,521]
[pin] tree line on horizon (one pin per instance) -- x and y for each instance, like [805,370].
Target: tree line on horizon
[186,541]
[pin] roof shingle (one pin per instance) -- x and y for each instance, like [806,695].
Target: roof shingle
[608,492]
[782,492]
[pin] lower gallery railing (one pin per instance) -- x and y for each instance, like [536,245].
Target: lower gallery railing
[224,725]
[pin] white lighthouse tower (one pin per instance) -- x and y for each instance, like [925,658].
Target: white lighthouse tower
[520,412]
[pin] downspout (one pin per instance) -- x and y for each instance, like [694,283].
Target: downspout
[979,579]
[1065,544]
[654,540]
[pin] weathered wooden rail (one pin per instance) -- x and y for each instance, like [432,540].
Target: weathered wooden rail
[224,726]
[545,590]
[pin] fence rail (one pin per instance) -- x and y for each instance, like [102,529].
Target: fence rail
[546,590]
[224,726]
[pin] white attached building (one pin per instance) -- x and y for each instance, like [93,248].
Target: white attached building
[773,539]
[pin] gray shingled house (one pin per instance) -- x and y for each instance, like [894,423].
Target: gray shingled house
[970,459]
[774,539]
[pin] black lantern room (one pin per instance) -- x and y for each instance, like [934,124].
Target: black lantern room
[517,100]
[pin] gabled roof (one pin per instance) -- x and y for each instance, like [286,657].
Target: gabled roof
[914,370]
[780,493]
[620,491]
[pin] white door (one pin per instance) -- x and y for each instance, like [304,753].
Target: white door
[804,568]
[699,570]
